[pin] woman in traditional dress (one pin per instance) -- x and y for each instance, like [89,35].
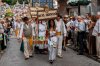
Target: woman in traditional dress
[52,41]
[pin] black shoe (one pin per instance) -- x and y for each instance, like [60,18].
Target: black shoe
[80,54]
[26,58]
[31,56]
[64,49]
[51,61]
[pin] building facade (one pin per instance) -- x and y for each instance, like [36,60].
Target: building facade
[92,8]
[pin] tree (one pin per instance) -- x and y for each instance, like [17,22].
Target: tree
[10,2]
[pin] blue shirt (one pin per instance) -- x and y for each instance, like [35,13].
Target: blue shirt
[81,26]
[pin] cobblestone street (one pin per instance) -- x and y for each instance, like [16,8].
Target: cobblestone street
[13,57]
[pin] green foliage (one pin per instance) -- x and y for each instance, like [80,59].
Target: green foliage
[10,2]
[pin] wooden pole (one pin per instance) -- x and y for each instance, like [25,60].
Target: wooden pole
[79,13]
[37,24]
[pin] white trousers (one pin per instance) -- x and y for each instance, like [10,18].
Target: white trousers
[52,52]
[28,50]
[98,46]
[59,42]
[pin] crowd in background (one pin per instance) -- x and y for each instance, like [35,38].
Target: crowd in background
[5,27]
[83,33]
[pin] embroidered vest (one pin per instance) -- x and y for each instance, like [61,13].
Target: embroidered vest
[27,31]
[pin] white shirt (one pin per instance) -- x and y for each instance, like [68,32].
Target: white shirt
[42,30]
[18,25]
[58,28]
[75,23]
[1,28]
[87,23]
[52,39]
[68,24]
[14,24]
[34,28]
[96,29]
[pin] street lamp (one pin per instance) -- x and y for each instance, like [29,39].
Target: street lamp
[79,12]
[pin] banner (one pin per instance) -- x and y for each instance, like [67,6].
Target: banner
[42,14]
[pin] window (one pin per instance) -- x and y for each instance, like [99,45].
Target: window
[43,2]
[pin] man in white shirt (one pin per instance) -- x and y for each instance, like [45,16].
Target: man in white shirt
[17,26]
[74,33]
[61,31]
[96,32]
[65,41]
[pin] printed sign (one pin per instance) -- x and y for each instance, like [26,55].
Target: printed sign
[42,14]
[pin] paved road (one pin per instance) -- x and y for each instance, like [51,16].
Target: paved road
[13,57]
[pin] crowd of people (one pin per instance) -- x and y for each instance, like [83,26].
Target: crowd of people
[83,33]
[5,27]
[80,32]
